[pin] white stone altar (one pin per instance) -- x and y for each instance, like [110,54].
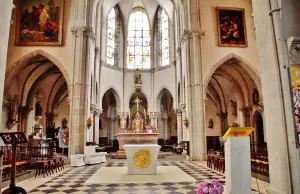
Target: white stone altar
[237,165]
[142,158]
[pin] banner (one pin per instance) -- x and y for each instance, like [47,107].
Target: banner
[295,76]
[63,136]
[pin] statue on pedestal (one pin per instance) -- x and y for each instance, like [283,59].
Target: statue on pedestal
[14,109]
[233,107]
[64,123]
[38,109]
[138,77]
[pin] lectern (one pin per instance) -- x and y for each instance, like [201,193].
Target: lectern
[13,139]
[237,160]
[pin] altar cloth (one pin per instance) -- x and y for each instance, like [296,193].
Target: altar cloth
[142,158]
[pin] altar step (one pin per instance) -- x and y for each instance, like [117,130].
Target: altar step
[122,155]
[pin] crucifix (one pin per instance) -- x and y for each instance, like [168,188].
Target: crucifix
[137,101]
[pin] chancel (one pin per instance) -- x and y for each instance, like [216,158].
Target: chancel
[135,96]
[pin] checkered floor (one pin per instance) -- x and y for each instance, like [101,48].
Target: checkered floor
[73,181]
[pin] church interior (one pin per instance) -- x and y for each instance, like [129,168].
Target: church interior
[150,96]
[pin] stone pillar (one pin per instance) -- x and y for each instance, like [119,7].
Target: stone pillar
[96,125]
[224,122]
[246,115]
[179,125]
[279,124]
[5,18]
[165,128]
[111,128]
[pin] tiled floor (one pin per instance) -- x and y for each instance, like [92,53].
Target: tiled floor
[73,181]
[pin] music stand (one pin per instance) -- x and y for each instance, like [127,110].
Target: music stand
[13,139]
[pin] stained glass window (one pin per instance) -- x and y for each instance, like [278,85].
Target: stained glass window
[138,41]
[111,37]
[165,41]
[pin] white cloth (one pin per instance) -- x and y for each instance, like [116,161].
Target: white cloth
[77,160]
[93,157]
[142,153]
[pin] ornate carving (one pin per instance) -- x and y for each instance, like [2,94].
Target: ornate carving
[177,111]
[189,34]
[97,112]
[294,53]
[97,51]
[92,108]
[84,31]
[174,63]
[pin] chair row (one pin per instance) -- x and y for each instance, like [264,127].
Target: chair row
[48,166]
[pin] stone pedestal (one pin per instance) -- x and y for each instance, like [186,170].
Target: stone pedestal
[142,159]
[237,165]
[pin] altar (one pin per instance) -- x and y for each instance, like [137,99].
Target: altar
[138,132]
[142,159]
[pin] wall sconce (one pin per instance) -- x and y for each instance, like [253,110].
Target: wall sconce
[186,122]
[89,122]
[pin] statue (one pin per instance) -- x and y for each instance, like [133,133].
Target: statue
[14,109]
[233,107]
[138,77]
[64,123]
[138,121]
[38,109]
[255,96]
[210,124]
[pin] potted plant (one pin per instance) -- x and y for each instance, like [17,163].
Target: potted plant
[213,187]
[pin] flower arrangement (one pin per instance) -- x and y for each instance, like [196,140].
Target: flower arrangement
[210,188]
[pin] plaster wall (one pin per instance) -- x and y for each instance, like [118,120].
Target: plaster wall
[211,52]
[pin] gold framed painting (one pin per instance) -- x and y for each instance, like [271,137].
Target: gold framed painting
[39,22]
[232,31]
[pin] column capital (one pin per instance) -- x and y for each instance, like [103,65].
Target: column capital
[83,31]
[153,115]
[178,111]
[92,107]
[97,112]
[190,34]
[178,50]
[245,109]
[123,115]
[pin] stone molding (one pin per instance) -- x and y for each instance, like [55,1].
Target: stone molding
[84,31]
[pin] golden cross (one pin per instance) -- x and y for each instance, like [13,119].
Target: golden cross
[137,101]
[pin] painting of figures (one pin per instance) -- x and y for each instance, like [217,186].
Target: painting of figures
[39,22]
[231,27]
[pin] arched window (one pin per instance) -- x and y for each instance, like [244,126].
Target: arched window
[111,37]
[138,41]
[163,24]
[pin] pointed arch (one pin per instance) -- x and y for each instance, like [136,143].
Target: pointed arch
[116,95]
[242,62]
[26,59]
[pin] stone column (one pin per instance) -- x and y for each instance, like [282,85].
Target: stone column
[111,128]
[224,122]
[247,115]
[97,113]
[165,127]
[5,18]
[279,120]
[179,125]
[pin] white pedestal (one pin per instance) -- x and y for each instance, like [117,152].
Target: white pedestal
[237,165]
[77,160]
[142,158]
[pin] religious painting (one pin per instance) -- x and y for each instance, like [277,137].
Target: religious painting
[63,138]
[231,27]
[295,75]
[39,22]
